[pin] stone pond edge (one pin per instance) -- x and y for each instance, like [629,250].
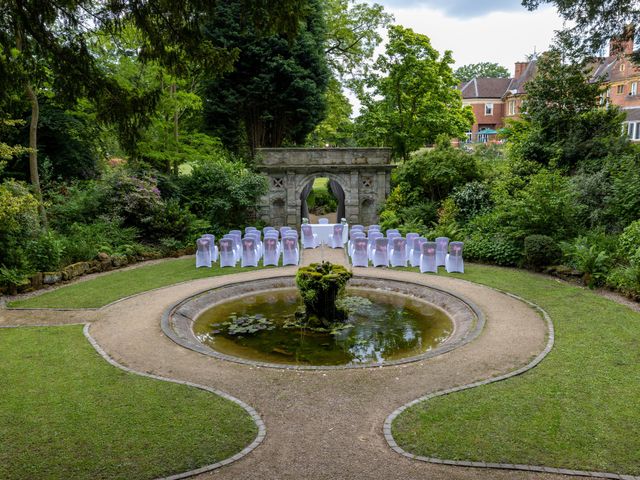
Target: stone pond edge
[470,335]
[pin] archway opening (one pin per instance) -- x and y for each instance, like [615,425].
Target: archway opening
[322,197]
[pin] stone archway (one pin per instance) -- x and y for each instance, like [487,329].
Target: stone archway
[364,174]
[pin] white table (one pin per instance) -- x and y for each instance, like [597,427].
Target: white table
[325,230]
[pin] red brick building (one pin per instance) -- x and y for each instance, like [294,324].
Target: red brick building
[495,100]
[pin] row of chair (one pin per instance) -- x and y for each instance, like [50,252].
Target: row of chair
[396,251]
[249,249]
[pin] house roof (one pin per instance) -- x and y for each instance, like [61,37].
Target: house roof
[518,86]
[484,87]
[633,114]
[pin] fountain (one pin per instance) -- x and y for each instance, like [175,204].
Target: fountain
[322,318]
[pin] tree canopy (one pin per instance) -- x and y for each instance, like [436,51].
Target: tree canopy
[410,99]
[275,93]
[592,22]
[483,69]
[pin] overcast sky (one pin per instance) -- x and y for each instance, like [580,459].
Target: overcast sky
[500,31]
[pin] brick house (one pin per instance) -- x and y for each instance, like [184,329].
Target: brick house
[484,95]
[495,100]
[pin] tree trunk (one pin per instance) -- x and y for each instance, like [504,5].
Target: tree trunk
[33,152]
[176,118]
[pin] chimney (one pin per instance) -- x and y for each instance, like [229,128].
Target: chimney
[622,44]
[519,70]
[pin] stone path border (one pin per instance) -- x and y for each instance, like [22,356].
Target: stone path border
[502,466]
[262,431]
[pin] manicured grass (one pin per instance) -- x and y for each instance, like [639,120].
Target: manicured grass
[320,183]
[103,290]
[66,413]
[578,409]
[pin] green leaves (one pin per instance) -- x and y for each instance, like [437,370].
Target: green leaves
[411,98]
[482,69]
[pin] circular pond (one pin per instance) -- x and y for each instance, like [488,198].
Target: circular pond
[381,327]
[391,322]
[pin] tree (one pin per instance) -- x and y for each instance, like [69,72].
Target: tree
[275,94]
[352,34]
[337,127]
[563,123]
[411,96]
[593,22]
[43,40]
[483,70]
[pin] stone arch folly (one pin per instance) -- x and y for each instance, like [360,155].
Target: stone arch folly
[363,173]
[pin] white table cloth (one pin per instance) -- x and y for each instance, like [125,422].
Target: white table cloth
[324,231]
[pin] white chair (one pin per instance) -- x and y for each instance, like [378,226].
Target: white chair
[373,227]
[323,220]
[360,257]
[284,230]
[290,252]
[391,236]
[271,251]
[398,255]
[249,252]
[212,246]
[354,236]
[203,253]
[410,237]
[250,229]
[227,252]
[294,235]
[392,230]
[442,246]
[256,236]
[428,257]
[372,241]
[335,239]
[381,252]
[309,239]
[414,261]
[358,227]
[237,239]
[453,260]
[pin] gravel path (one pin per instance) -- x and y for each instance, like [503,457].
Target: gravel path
[323,425]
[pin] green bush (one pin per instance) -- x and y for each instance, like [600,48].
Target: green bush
[222,192]
[626,279]
[19,225]
[540,250]
[471,199]
[321,201]
[497,249]
[84,241]
[589,258]
[45,252]
[629,240]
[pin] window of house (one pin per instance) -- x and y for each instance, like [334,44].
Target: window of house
[620,89]
[634,88]
[633,130]
[488,108]
[622,67]
[512,107]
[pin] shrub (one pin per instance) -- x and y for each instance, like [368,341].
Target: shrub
[222,192]
[589,259]
[629,240]
[84,241]
[471,199]
[19,224]
[45,252]
[626,279]
[540,250]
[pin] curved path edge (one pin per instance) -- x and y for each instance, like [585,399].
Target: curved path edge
[502,466]
[262,431]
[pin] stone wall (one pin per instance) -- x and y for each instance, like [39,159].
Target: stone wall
[363,173]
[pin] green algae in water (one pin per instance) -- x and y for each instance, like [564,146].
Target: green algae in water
[380,327]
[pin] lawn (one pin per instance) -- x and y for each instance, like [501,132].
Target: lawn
[578,409]
[66,413]
[108,288]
